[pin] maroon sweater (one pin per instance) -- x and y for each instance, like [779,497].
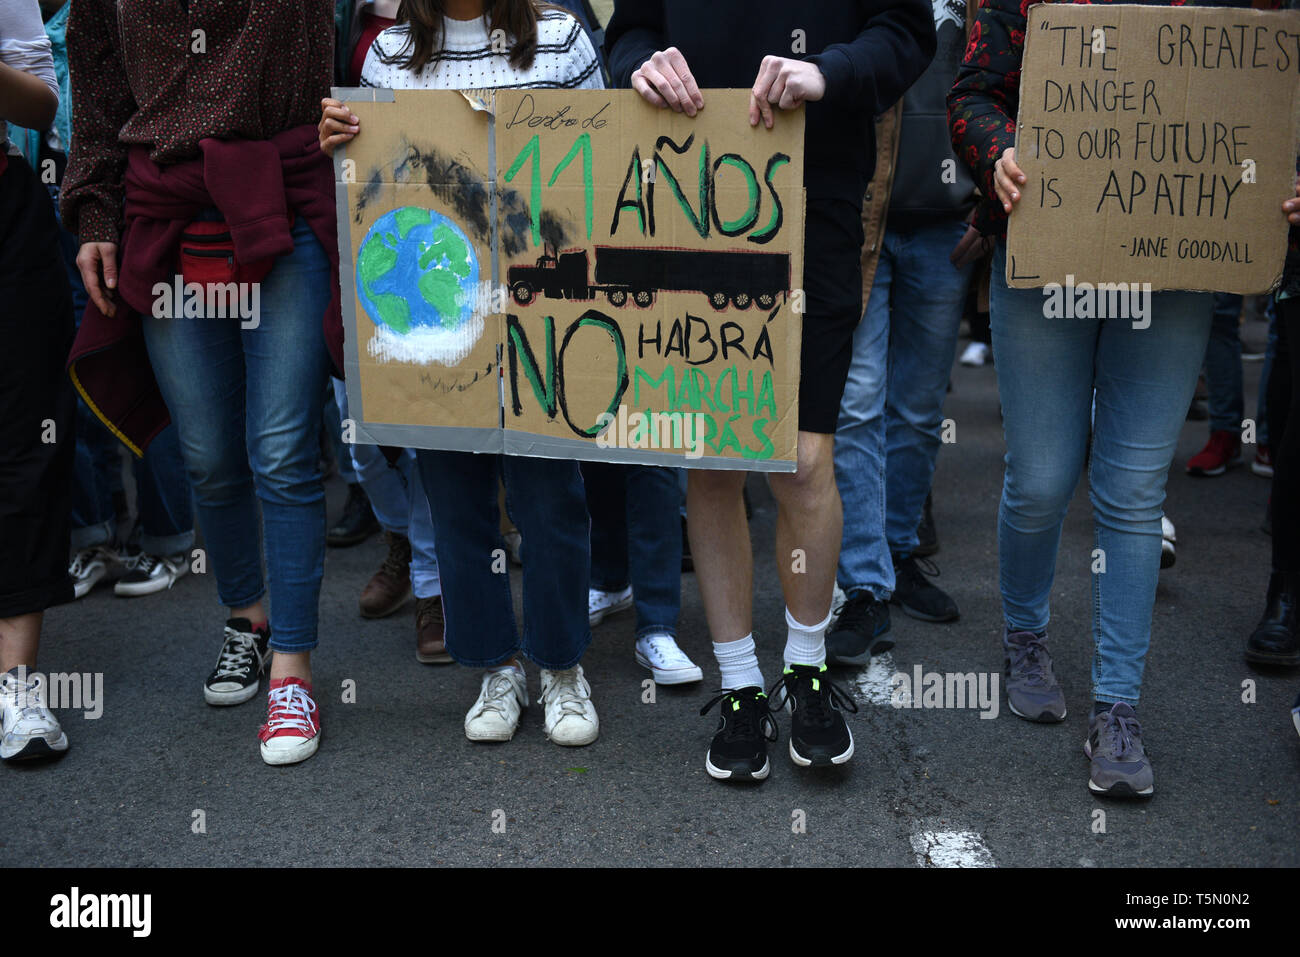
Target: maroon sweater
[255,184]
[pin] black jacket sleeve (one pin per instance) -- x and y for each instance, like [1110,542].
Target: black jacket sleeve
[634,33]
[873,71]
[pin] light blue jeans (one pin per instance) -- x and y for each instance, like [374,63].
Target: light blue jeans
[247,407]
[891,415]
[1143,379]
[397,498]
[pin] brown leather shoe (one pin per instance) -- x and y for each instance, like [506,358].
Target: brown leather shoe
[430,648]
[389,587]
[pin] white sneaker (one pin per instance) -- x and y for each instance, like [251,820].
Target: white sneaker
[570,716]
[150,573]
[1168,539]
[27,727]
[603,603]
[976,354]
[89,566]
[667,662]
[495,715]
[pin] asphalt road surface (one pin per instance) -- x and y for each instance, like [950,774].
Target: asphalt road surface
[396,782]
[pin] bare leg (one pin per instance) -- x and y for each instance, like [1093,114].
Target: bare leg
[19,637]
[295,664]
[809,524]
[724,561]
[255,613]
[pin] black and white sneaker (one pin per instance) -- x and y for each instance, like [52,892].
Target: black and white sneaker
[819,735]
[738,751]
[150,573]
[860,631]
[244,656]
[917,594]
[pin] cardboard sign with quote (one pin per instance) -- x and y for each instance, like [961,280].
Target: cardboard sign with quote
[573,274]
[1159,144]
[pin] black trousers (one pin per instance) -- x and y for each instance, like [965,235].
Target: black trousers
[37,401]
[1284,433]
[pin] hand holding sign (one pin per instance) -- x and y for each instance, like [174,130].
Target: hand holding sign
[665,80]
[1007,178]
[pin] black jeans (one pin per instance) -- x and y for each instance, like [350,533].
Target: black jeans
[37,402]
[1284,435]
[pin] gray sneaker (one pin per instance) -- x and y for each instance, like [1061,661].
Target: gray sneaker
[1119,764]
[1033,693]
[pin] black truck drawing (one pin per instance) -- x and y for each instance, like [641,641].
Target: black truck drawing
[624,273]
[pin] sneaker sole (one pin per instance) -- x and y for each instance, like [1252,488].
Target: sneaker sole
[1216,471]
[493,738]
[225,698]
[596,619]
[922,616]
[718,774]
[682,676]
[1264,471]
[84,587]
[821,761]
[38,748]
[1263,658]
[1120,789]
[291,755]
[1044,717]
[136,589]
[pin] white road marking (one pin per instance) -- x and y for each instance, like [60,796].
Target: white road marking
[951,849]
[874,684]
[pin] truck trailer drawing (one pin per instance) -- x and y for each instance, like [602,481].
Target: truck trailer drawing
[636,274]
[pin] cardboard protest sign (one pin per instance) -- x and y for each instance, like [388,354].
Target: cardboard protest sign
[573,274]
[1159,144]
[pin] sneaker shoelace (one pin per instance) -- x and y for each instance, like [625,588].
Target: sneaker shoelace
[237,654]
[499,688]
[658,648]
[1119,732]
[290,709]
[917,570]
[815,702]
[1030,661]
[567,695]
[751,720]
[29,699]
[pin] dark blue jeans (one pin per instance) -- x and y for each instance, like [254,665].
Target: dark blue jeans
[247,403]
[166,522]
[636,539]
[545,499]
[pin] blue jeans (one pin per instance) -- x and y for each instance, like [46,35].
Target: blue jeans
[397,498]
[1048,370]
[892,411]
[1227,404]
[166,519]
[545,499]
[247,404]
[636,539]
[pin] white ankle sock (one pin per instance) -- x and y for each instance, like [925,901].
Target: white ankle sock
[805,644]
[739,663]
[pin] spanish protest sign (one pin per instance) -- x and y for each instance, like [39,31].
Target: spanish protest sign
[1159,144]
[573,274]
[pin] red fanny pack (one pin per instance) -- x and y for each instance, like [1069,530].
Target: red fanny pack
[208,256]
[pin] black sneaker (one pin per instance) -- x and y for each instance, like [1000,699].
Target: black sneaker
[738,751]
[927,539]
[356,524]
[917,595]
[244,656]
[819,735]
[862,630]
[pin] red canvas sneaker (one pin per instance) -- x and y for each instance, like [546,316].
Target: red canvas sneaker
[292,730]
[1220,453]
